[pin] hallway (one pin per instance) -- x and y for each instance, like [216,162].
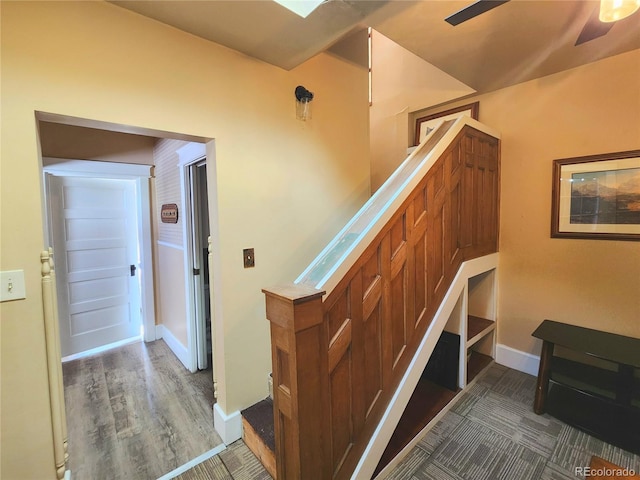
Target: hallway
[135,413]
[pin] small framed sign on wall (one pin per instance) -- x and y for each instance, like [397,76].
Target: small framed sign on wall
[169,213]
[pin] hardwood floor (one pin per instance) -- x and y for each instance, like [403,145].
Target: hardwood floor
[136,413]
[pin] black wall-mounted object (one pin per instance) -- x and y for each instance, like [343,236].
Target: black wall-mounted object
[302,94]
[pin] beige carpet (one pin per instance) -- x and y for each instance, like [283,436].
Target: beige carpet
[235,463]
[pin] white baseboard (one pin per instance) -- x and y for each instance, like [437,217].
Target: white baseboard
[174,344]
[229,427]
[518,360]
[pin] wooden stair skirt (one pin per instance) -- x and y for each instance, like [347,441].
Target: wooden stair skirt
[258,433]
[435,390]
[339,356]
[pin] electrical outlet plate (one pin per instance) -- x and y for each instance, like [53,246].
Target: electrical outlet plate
[249,259]
[12,285]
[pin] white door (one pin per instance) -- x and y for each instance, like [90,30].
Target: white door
[199,234]
[95,241]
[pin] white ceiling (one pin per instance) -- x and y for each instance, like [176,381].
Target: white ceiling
[515,42]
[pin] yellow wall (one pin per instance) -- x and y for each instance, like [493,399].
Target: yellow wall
[588,110]
[402,83]
[284,186]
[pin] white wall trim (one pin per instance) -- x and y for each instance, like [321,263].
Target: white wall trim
[229,427]
[176,347]
[191,152]
[147,285]
[215,277]
[518,360]
[83,168]
[170,245]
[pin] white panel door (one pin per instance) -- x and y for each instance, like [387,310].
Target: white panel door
[95,241]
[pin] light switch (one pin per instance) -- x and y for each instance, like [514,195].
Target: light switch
[12,285]
[248,257]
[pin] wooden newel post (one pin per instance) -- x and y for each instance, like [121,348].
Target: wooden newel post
[300,382]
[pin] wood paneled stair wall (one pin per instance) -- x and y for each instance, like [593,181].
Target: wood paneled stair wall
[338,356]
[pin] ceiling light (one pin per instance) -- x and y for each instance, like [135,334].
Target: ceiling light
[300,7]
[614,10]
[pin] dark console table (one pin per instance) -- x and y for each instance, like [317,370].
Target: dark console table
[603,400]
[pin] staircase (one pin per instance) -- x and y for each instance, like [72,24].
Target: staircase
[258,433]
[353,334]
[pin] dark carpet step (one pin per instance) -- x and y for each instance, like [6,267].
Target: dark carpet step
[258,433]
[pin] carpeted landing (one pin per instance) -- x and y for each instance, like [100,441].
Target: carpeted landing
[236,462]
[491,433]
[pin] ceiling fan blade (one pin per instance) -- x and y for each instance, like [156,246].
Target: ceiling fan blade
[473,10]
[594,28]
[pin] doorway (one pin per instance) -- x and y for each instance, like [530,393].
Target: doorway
[98,221]
[103,144]
[196,232]
[200,238]
[93,225]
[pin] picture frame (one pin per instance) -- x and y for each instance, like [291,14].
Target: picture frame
[425,124]
[597,197]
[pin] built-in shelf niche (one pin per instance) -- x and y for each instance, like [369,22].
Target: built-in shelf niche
[474,319]
[481,322]
[481,293]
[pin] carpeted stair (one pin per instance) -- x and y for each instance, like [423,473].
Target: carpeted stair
[258,433]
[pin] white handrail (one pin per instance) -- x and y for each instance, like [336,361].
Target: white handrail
[335,260]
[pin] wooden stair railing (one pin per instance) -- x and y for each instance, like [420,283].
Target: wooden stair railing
[341,345]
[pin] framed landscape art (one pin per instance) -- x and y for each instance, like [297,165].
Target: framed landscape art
[597,197]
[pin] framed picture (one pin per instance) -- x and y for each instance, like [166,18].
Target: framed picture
[426,124]
[597,197]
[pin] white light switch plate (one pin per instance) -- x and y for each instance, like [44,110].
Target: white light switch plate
[12,285]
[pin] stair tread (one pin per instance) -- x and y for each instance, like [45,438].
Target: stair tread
[260,417]
[427,400]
